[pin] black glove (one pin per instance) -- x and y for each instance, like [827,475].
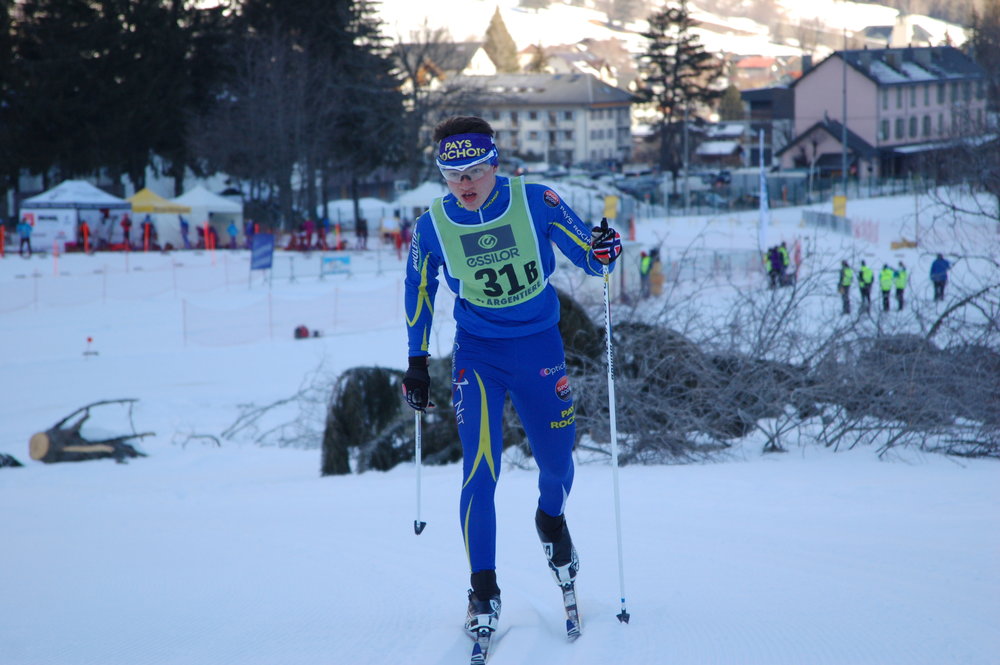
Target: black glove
[417,384]
[605,242]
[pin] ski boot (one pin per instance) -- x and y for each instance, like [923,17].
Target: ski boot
[563,562]
[483,616]
[484,603]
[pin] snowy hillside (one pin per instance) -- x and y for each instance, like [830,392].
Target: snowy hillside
[207,555]
[562,23]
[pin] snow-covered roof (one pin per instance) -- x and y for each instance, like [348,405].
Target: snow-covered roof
[717,148]
[890,66]
[575,88]
[726,130]
[915,72]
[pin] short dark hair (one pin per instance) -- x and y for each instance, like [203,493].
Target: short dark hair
[461,124]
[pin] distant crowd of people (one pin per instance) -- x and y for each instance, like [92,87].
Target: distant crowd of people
[889,279]
[308,235]
[777,263]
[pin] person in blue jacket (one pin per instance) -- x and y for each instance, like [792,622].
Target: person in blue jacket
[493,237]
[24,230]
[939,275]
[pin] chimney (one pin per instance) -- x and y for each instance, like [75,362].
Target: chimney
[865,58]
[807,63]
[902,31]
[922,56]
[893,59]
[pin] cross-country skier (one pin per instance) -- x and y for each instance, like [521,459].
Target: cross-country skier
[493,238]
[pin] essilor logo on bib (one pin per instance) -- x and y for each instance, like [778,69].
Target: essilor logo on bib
[487,241]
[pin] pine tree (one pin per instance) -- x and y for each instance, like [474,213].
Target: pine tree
[313,93]
[539,60]
[985,49]
[8,153]
[731,104]
[500,45]
[53,91]
[676,77]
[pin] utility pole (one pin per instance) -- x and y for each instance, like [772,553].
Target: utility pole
[843,119]
[686,185]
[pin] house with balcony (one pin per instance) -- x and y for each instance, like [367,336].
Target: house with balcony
[563,119]
[902,104]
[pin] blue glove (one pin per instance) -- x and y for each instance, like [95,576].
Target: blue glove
[605,242]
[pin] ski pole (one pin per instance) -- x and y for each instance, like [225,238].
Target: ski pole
[418,526]
[624,615]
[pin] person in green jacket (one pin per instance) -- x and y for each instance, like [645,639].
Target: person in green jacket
[844,285]
[786,261]
[865,280]
[885,280]
[901,277]
[645,265]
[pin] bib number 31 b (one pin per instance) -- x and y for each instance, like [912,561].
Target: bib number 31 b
[491,279]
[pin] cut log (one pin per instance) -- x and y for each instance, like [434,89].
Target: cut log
[62,443]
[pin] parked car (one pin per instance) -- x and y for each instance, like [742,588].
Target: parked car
[716,201]
[708,199]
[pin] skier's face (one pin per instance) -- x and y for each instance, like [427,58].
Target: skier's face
[472,193]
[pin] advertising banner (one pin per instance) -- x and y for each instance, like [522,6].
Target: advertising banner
[262,251]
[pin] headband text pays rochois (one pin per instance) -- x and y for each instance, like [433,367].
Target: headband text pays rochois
[461,151]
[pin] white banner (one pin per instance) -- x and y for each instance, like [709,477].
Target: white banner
[52,225]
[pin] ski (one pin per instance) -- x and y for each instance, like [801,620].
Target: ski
[572,611]
[481,649]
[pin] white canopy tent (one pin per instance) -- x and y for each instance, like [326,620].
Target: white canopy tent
[56,214]
[207,207]
[371,209]
[415,201]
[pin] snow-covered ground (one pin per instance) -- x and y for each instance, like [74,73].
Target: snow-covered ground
[201,554]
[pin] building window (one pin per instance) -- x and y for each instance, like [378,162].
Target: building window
[513,118]
[940,87]
[913,95]
[532,115]
[979,118]
[900,127]
[927,94]
[899,97]
[913,127]
[927,125]
[532,135]
[966,91]
[568,135]
[954,91]
[883,133]
[980,89]
[567,115]
[940,124]
[885,99]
